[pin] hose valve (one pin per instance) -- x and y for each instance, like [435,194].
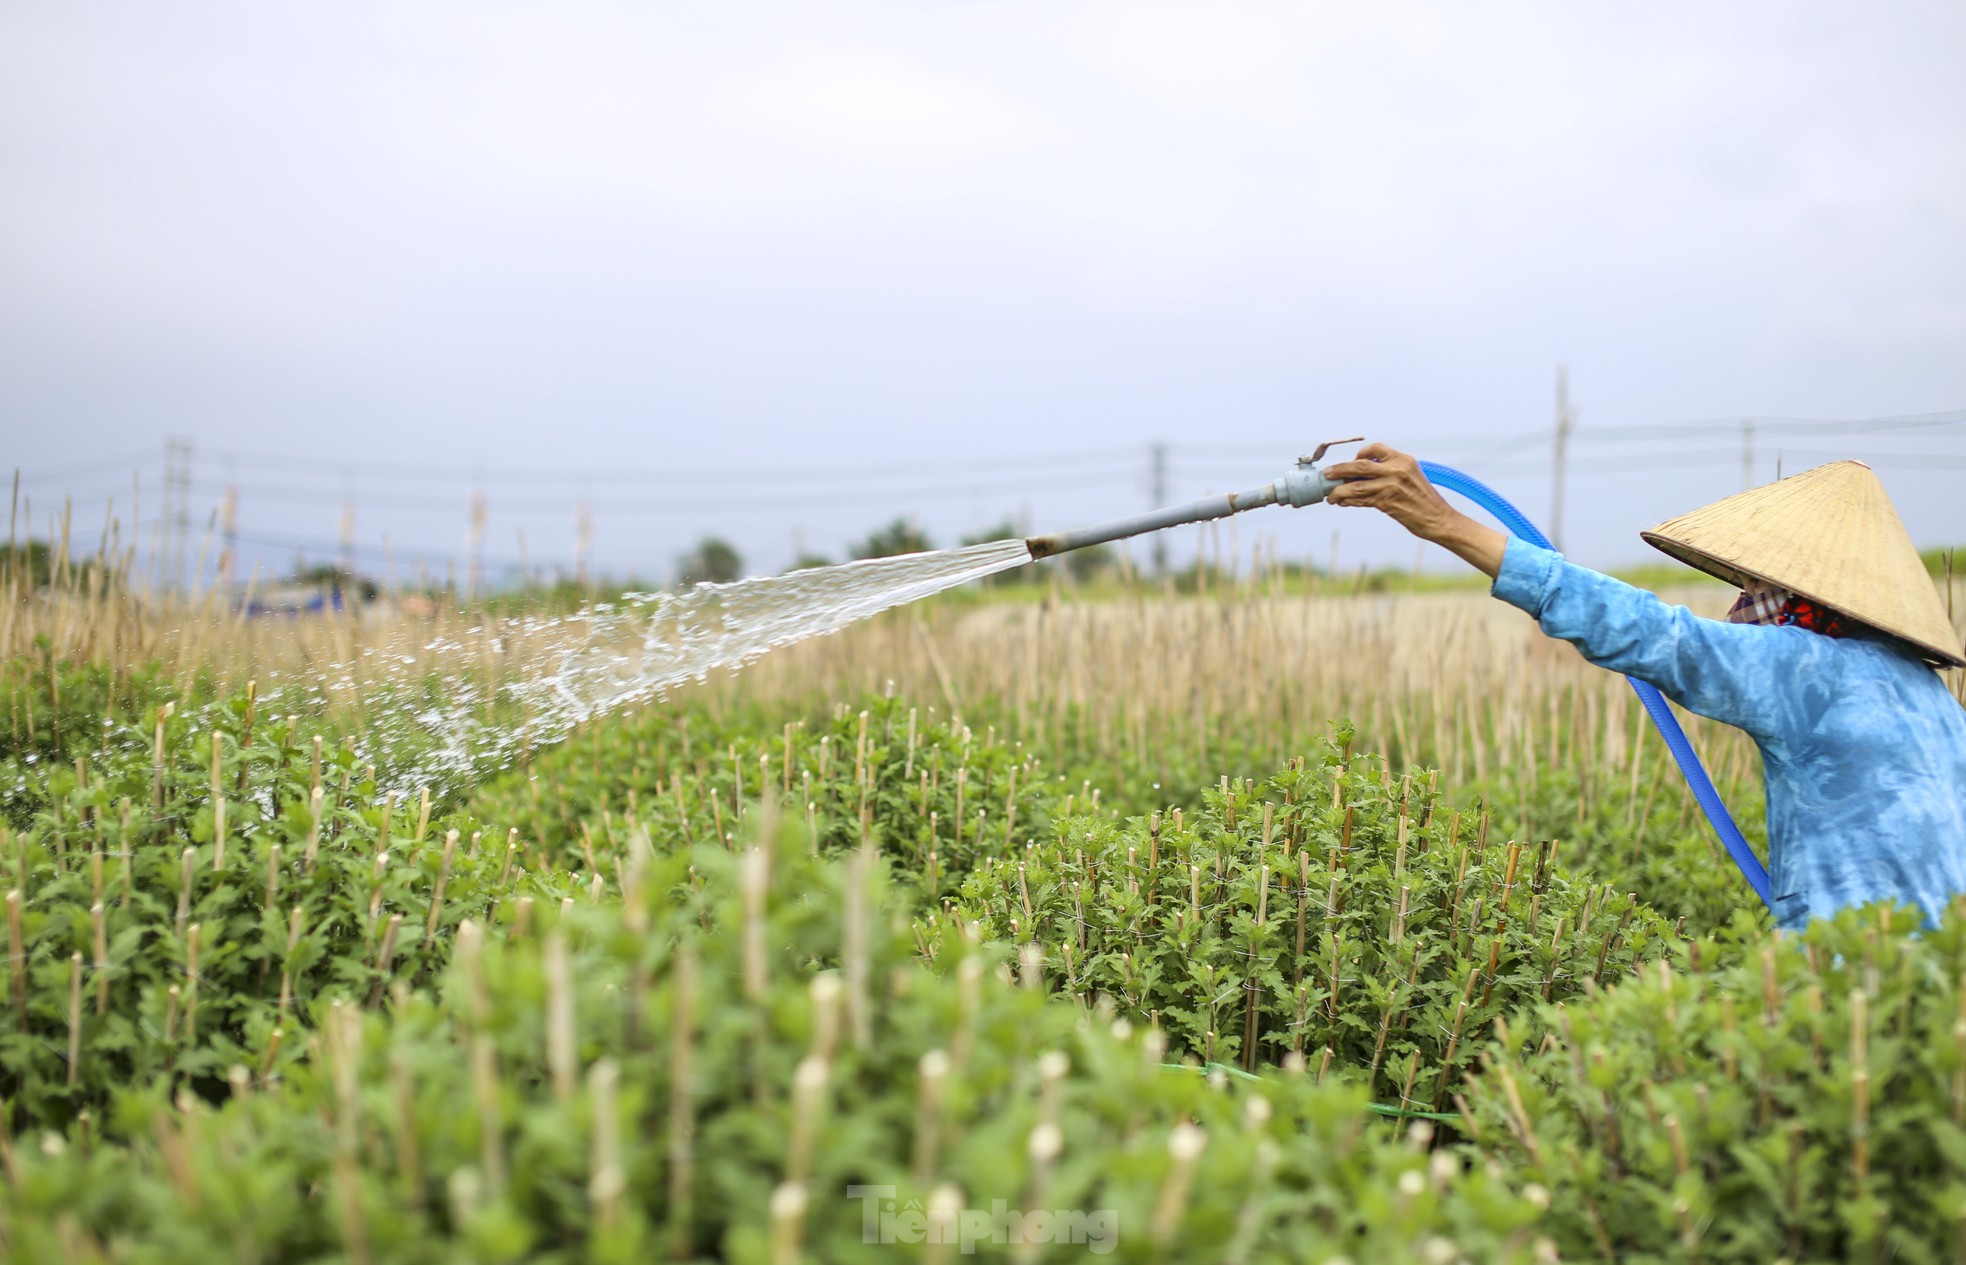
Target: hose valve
[1306,485]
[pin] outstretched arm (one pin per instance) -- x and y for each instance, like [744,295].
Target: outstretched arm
[1390,481]
[1740,674]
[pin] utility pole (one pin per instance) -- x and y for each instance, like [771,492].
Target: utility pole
[1566,418]
[160,562]
[177,508]
[347,532]
[475,542]
[583,542]
[1159,453]
[346,527]
[228,517]
[1747,453]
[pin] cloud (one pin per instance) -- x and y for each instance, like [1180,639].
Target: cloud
[641,236]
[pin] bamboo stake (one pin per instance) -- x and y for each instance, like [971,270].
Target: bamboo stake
[787,1212]
[934,1069]
[682,1112]
[272,877]
[286,969]
[561,1054]
[608,1178]
[157,757]
[100,934]
[969,979]
[384,957]
[809,1081]
[314,812]
[1184,1147]
[854,965]
[344,1040]
[443,878]
[1860,1088]
[272,1054]
[753,880]
[189,861]
[191,982]
[491,1120]
[409,1159]
[75,1016]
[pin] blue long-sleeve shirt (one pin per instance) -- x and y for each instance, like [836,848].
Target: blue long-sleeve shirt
[1862,745]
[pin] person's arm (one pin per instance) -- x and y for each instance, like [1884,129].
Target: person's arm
[1740,674]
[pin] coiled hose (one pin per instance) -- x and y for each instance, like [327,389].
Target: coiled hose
[1655,703]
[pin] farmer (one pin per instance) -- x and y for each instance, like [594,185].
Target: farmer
[1827,660]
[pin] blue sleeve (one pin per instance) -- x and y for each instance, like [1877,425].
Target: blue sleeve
[1738,674]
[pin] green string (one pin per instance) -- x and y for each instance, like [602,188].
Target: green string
[1377,1108]
[1409,1113]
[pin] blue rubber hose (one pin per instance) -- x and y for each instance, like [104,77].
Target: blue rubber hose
[1655,703]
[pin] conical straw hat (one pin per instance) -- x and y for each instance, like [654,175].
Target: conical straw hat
[1830,535]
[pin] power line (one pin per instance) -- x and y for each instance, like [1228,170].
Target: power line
[1730,426]
[678,504]
[691,475]
[1732,456]
[1780,426]
[343,472]
[93,465]
[390,551]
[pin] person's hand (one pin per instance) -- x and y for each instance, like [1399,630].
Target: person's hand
[1390,481]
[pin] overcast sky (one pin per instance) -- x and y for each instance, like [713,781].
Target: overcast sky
[781,272]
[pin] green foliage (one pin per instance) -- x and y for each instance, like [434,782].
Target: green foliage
[28,562]
[933,794]
[1016,577]
[963,886]
[1633,828]
[710,1067]
[178,905]
[1329,913]
[713,561]
[1761,1098]
[1647,839]
[1085,564]
[898,537]
[1945,561]
[331,577]
[1091,562]
[59,712]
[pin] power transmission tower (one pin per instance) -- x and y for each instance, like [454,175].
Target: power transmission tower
[1747,453]
[1566,418]
[1159,452]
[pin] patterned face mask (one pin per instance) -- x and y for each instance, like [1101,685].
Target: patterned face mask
[1758,606]
[1784,609]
